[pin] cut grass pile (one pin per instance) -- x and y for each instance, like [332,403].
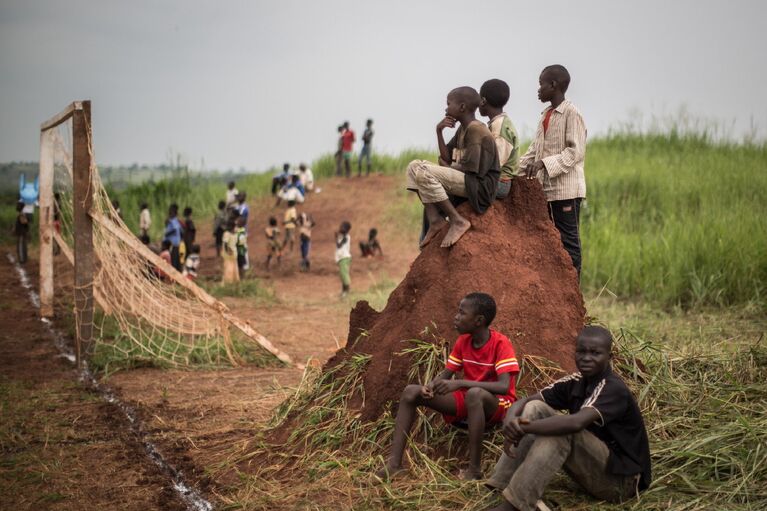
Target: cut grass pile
[706,416]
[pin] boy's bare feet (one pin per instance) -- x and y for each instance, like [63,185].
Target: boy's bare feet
[433,230]
[468,474]
[457,229]
[388,473]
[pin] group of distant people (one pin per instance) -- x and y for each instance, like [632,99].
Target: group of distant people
[345,149]
[178,245]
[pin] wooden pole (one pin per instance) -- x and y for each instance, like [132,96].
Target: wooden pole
[83,228]
[45,177]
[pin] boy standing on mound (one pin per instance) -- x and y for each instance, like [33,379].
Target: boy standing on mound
[482,396]
[495,94]
[556,158]
[473,172]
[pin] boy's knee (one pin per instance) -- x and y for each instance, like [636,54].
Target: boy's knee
[475,396]
[537,409]
[411,393]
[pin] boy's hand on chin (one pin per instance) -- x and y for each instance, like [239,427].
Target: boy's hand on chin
[447,122]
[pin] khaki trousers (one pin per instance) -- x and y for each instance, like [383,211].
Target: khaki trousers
[524,477]
[434,182]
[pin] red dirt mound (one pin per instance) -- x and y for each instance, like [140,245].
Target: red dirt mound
[514,253]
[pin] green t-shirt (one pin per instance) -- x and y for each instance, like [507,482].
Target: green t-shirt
[510,167]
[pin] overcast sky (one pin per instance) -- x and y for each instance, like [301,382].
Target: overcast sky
[253,83]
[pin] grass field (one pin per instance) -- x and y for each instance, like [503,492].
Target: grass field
[672,218]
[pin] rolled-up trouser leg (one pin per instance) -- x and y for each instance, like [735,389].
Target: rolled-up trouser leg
[506,465]
[434,182]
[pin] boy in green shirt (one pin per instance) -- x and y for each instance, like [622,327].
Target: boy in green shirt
[495,94]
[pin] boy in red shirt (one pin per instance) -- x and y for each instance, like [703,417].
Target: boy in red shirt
[347,146]
[483,395]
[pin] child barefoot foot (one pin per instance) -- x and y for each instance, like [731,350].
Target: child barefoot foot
[469,474]
[457,229]
[433,230]
[388,473]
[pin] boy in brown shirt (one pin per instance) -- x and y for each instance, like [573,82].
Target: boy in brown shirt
[472,173]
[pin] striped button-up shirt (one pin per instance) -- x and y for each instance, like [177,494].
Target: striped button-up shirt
[563,150]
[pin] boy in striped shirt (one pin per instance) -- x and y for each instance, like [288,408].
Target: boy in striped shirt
[483,395]
[556,158]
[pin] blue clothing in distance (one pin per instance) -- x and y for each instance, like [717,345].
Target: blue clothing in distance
[173,232]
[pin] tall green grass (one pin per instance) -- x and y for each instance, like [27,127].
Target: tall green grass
[676,219]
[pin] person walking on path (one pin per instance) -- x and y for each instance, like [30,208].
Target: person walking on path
[367,147]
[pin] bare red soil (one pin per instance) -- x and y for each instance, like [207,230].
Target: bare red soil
[512,252]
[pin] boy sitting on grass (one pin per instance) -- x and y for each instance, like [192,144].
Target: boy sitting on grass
[482,396]
[473,172]
[602,442]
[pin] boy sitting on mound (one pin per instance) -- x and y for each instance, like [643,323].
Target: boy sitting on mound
[473,172]
[486,391]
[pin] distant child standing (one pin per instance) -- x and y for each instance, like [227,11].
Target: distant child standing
[339,155]
[144,221]
[273,247]
[21,231]
[192,263]
[495,94]
[242,246]
[367,147]
[190,231]
[242,208]
[344,256]
[289,223]
[219,226]
[231,195]
[347,148]
[173,233]
[556,158]
[229,254]
[371,246]
[305,224]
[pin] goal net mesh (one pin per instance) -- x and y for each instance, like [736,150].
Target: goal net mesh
[143,311]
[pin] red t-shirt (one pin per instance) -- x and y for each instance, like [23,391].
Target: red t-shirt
[486,363]
[347,140]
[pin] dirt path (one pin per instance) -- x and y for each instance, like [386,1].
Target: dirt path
[62,446]
[307,318]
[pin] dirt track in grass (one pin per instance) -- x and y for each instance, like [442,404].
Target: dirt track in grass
[198,417]
[62,446]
